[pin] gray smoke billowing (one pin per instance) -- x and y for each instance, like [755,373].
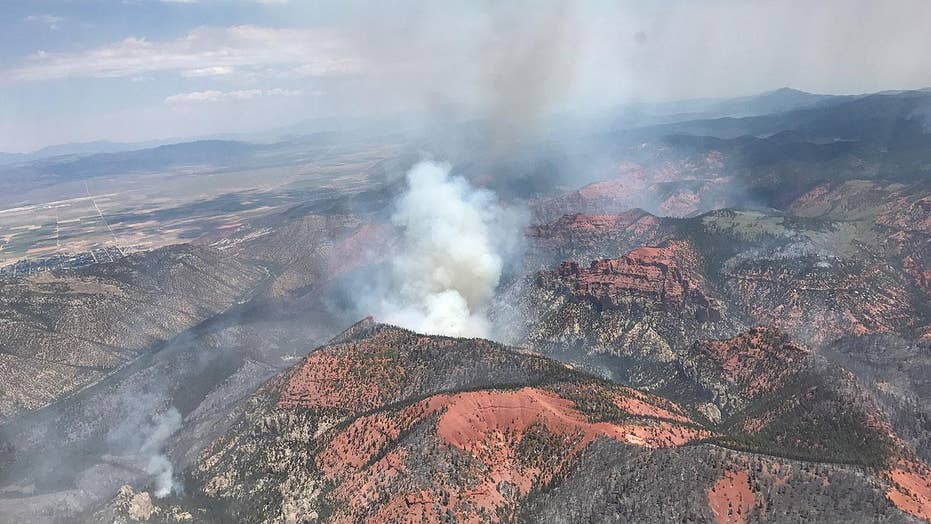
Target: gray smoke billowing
[163,426]
[144,439]
[450,256]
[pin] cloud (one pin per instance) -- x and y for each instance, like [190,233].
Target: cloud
[204,49]
[227,96]
[208,71]
[51,21]
[197,1]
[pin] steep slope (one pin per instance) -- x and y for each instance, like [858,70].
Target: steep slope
[383,424]
[899,215]
[306,250]
[821,299]
[583,238]
[672,184]
[346,433]
[627,316]
[820,278]
[64,330]
[897,372]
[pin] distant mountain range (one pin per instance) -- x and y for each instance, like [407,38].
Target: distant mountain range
[779,100]
[714,318]
[77,149]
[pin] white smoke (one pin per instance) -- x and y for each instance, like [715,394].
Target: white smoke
[143,439]
[448,264]
[159,466]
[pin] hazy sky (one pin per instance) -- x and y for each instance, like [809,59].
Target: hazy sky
[79,70]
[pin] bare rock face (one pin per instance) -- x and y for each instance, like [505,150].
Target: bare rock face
[138,506]
[752,365]
[818,279]
[665,275]
[647,305]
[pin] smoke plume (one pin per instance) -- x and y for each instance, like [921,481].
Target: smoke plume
[144,440]
[449,261]
[163,426]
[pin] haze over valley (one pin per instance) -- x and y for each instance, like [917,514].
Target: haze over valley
[442,262]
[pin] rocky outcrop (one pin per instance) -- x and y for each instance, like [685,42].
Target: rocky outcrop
[738,370]
[647,305]
[665,275]
[132,506]
[583,238]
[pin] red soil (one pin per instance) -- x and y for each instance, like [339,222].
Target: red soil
[490,425]
[472,418]
[608,234]
[363,488]
[815,197]
[640,404]
[731,498]
[634,221]
[580,229]
[911,488]
[683,203]
[606,189]
[330,380]
[795,302]
[367,436]
[492,428]
[760,359]
[615,194]
[355,377]
[908,215]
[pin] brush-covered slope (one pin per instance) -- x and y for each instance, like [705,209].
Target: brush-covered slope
[63,330]
[818,278]
[386,425]
[628,316]
[582,238]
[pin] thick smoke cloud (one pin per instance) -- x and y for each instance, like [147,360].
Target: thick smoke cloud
[450,256]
